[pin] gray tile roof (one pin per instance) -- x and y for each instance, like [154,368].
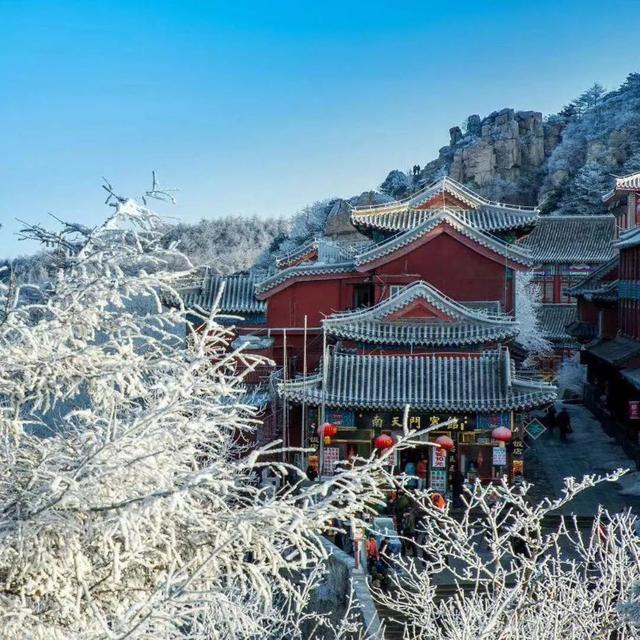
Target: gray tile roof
[302,270]
[615,351]
[630,238]
[238,294]
[623,184]
[554,320]
[481,383]
[478,212]
[571,239]
[510,251]
[467,324]
[594,282]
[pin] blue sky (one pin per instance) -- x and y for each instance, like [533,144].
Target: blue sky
[263,107]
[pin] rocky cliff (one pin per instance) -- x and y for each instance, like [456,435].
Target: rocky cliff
[564,161]
[502,156]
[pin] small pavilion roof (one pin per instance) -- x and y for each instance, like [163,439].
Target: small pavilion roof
[478,212]
[484,382]
[238,294]
[624,184]
[431,319]
[511,251]
[571,239]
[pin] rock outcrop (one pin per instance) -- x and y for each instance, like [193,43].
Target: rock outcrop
[500,156]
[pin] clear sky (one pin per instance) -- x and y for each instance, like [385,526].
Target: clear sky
[263,107]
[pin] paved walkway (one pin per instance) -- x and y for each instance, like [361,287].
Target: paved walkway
[589,451]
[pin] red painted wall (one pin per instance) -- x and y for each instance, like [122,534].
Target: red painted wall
[314,298]
[453,268]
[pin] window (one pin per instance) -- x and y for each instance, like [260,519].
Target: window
[363,295]
[395,288]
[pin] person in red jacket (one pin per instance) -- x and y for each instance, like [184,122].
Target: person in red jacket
[372,552]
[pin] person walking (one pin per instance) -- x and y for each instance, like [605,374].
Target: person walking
[409,531]
[421,470]
[373,555]
[564,424]
[550,418]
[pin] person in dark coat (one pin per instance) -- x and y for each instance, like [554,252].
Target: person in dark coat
[550,418]
[312,473]
[564,424]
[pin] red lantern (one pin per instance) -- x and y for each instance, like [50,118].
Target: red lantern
[383,441]
[445,442]
[502,434]
[327,430]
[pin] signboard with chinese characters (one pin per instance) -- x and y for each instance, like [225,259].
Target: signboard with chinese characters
[634,409]
[331,458]
[517,448]
[488,422]
[393,421]
[340,418]
[499,456]
[439,480]
[438,458]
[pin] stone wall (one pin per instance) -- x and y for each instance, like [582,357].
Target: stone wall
[331,596]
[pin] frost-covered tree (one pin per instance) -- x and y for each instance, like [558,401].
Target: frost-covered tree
[522,572]
[527,307]
[129,502]
[398,184]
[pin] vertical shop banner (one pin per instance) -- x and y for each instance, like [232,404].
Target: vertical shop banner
[499,456]
[634,409]
[439,480]
[331,458]
[438,458]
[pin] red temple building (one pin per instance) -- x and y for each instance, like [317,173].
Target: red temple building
[608,322]
[415,307]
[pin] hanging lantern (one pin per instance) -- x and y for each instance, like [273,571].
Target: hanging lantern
[445,442]
[383,441]
[327,441]
[327,430]
[502,434]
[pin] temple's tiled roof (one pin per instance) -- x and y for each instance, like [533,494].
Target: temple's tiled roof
[630,238]
[453,219]
[238,294]
[571,239]
[304,269]
[623,184]
[554,320]
[477,211]
[615,351]
[302,253]
[481,383]
[595,283]
[466,325]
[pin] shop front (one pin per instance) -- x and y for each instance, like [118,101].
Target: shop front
[475,454]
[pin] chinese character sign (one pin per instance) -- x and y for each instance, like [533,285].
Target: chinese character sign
[438,458]
[634,409]
[331,458]
[499,456]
